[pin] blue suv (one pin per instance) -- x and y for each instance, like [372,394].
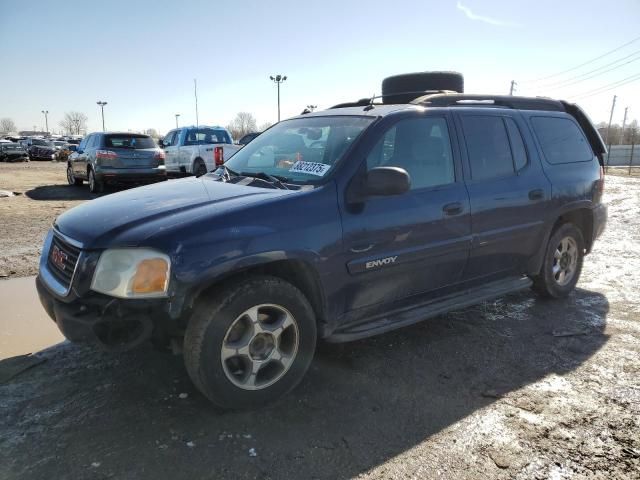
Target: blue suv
[332,225]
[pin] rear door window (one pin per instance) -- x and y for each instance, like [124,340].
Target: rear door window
[488,147]
[561,140]
[518,149]
[206,136]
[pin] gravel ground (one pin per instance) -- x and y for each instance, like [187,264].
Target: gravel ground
[518,388]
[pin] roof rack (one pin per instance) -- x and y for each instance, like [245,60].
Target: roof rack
[363,102]
[504,101]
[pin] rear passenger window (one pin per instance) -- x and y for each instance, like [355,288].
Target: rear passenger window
[419,145]
[561,140]
[517,145]
[488,147]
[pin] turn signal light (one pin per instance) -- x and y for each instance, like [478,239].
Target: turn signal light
[151,276]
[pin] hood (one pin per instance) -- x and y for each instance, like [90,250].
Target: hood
[127,218]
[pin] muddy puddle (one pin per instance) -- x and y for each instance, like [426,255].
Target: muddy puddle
[24,325]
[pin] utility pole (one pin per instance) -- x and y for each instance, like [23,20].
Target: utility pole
[613,106]
[102,104]
[624,123]
[278,79]
[177,115]
[195,94]
[46,119]
[513,87]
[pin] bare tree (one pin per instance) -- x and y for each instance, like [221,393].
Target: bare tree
[7,125]
[241,125]
[152,132]
[74,122]
[265,125]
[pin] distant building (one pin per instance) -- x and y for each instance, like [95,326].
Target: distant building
[32,133]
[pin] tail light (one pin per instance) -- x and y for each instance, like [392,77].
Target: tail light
[106,155]
[601,182]
[159,156]
[218,156]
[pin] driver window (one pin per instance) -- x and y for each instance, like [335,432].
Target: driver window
[419,145]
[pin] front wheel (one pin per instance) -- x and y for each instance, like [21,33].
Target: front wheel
[71,178]
[562,263]
[250,343]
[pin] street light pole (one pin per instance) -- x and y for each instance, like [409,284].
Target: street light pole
[177,115]
[278,79]
[46,119]
[102,104]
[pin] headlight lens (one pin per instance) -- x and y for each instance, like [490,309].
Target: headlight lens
[132,273]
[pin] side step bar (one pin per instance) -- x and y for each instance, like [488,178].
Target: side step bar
[402,318]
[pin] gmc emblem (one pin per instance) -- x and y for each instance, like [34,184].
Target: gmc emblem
[58,257]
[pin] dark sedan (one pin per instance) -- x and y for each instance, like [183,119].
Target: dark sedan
[41,150]
[13,152]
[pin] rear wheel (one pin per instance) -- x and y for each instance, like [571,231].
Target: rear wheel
[562,263]
[95,185]
[71,178]
[199,168]
[250,343]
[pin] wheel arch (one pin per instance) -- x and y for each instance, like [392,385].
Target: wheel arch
[297,271]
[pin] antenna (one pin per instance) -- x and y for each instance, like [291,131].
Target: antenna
[195,93]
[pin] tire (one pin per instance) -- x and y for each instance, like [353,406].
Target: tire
[392,87]
[550,284]
[95,185]
[199,168]
[221,318]
[71,178]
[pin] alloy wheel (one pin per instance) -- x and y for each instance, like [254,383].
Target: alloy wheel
[565,261]
[260,346]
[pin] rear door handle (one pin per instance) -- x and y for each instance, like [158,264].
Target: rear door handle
[452,208]
[537,194]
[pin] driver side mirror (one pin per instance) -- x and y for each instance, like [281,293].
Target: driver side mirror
[385,181]
[379,181]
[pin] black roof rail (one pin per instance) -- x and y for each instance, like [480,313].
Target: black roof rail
[363,102]
[505,101]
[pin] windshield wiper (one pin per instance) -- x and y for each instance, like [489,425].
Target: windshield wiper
[227,173]
[274,179]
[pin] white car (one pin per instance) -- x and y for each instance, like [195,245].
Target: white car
[197,150]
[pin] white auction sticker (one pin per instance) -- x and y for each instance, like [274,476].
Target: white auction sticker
[311,168]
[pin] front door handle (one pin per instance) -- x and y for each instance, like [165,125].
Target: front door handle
[454,208]
[537,194]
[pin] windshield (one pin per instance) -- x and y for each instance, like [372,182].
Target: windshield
[37,141]
[302,150]
[9,146]
[136,142]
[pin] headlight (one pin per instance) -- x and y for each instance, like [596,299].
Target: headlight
[132,273]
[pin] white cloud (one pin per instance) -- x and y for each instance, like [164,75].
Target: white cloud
[480,18]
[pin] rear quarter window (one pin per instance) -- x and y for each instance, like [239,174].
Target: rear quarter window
[561,140]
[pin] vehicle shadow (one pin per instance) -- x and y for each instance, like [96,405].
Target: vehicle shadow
[61,192]
[360,405]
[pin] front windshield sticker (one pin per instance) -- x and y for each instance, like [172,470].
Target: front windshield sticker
[312,168]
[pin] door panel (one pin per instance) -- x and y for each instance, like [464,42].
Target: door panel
[508,191]
[404,245]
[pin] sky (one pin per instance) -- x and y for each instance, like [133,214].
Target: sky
[142,56]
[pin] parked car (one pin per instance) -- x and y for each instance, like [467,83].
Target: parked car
[247,138]
[40,149]
[197,150]
[116,158]
[63,152]
[401,213]
[13,152]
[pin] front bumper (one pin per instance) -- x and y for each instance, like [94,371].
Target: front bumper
[114,324]
[85,316]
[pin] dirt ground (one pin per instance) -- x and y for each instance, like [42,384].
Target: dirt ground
[42,195]
[518,388]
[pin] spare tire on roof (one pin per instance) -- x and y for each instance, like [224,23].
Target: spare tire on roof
[409,86]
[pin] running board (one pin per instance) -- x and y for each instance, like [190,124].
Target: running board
[408,316]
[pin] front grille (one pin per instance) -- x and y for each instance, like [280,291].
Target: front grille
[62,260]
